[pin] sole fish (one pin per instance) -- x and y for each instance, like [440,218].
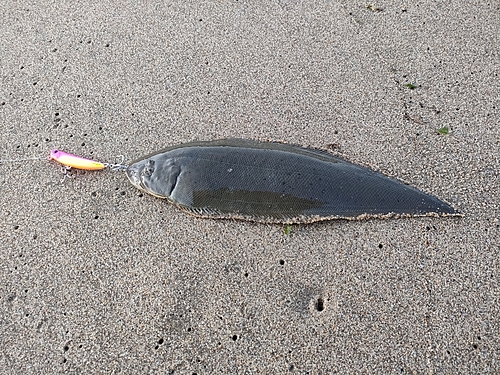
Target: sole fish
[275,183]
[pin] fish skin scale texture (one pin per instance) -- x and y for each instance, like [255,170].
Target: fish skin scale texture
[275,183]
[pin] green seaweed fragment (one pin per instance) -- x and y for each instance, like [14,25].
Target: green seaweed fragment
[411,86]
[444,130]
[288,230]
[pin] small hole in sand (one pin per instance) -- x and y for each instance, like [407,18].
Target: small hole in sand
[320,305]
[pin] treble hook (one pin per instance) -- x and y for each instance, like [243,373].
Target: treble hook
[117,167]
[65,172]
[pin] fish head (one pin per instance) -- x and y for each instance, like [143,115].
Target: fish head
[155,177]
[139,173]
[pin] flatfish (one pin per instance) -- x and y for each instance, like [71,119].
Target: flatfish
[273,182]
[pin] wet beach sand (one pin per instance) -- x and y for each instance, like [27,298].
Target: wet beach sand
[99,278]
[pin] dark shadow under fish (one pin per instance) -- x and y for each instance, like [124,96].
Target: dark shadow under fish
[275,183]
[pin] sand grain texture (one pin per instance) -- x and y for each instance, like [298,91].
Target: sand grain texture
[97,278]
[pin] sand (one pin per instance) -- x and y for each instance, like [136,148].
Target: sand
[97,278]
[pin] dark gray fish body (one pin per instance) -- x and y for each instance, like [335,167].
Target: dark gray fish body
[275,183]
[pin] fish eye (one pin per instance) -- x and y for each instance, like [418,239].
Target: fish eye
[149,168]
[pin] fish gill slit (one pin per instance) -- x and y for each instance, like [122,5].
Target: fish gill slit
[175,176]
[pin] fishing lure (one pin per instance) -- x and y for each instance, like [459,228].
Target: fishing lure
[73,161]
